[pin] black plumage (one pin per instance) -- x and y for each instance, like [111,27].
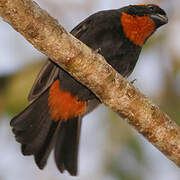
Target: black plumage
[35,128]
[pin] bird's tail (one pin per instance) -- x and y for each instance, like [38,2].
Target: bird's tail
[38,134]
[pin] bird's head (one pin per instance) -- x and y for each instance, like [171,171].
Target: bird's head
[140,21]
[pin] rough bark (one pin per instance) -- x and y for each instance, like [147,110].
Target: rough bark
[90,68]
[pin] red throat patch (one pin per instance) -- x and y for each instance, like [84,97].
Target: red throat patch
[63,105]
[137,28]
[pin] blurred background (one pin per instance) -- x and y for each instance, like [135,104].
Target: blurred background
[110,149]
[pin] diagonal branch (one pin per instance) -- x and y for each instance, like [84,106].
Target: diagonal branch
[90,68]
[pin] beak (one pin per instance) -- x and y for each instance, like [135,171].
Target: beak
[159,19]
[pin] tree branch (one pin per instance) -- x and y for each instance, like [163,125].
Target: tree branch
[90,68]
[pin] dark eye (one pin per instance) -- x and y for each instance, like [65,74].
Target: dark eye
[151,8]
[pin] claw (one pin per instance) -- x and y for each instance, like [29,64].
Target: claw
[98,50]
[132,82]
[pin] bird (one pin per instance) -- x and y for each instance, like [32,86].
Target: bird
[58,102]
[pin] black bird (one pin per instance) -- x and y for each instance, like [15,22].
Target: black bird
[58,102]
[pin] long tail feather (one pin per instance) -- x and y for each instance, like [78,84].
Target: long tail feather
[35,130]
[38,133]
[43,154]
[66,148]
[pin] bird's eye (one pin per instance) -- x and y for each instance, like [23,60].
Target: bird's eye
[151,8]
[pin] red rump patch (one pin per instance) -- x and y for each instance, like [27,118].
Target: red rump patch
[137,28]
[63,105]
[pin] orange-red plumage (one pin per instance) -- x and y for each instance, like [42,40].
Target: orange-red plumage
[137,28]
[63,105]
[59,102]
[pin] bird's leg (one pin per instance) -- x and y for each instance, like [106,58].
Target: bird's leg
[98,50]
[132,82]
